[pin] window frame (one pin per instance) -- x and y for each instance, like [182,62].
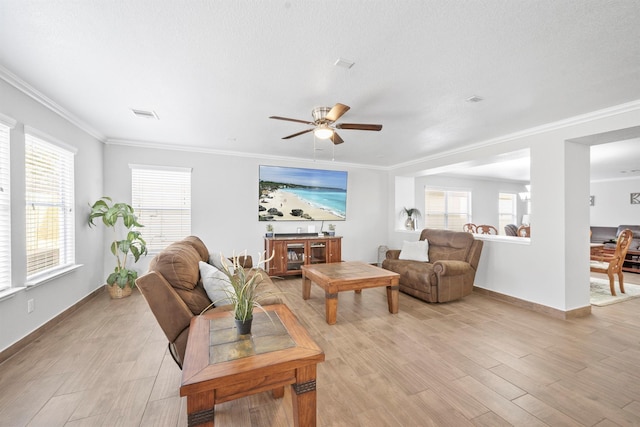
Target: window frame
[446,214]
[63,198]
[159,234]
[6,125]
[514,211]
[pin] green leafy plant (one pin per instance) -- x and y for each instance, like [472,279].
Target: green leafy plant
[244,291]
[332,227]
[131,243]
[410,212]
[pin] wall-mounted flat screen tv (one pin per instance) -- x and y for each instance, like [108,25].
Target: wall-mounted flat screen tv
[297,194]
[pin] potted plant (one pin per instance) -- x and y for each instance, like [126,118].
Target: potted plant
[412,215]
[332,229]
[269,230]
[115,216]
[242,289]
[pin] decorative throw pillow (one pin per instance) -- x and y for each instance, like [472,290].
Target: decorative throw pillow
[415,251]
[216,284]
[218,260]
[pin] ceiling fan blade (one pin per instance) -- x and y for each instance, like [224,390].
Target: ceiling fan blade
[336,138]
[337,111]
[358,126]
[299,133]
[307,122]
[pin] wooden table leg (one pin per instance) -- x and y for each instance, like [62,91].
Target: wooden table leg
[303,393]
[331,307]
[200,409]
[392,298]
[306,287]
[277,393]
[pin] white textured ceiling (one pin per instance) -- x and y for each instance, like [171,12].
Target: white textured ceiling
[214,71]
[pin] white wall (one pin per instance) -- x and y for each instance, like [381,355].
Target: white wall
[55,296]
[552,268]
[225,199]
[612,203]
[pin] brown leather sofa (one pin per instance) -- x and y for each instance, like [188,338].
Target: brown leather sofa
[173,289]
[450,271]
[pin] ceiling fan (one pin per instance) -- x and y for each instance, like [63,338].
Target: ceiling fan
[324,126]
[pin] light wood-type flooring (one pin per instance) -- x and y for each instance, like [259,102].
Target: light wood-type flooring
[476,362]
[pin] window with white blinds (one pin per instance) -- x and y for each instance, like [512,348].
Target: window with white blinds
[161,199]
[5,210]
[49,212]
[507,210]
[447,209]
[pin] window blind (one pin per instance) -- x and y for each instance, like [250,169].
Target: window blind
[161,199]
[447,209]
[5,210]
[507,210]
[49,206]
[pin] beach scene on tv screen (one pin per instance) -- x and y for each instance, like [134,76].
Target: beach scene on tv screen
[298,194]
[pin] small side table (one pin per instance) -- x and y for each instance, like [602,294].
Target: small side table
[220,366]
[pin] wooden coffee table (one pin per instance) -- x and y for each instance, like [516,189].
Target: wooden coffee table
[220,366]
[348,276]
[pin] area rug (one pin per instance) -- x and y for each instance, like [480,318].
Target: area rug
[601,293]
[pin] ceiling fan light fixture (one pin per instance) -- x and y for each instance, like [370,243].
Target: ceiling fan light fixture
[323,132]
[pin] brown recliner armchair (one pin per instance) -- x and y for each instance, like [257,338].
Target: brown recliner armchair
[450,271]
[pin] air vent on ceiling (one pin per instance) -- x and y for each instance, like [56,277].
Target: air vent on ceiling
[474,98]
[344,63]
[145,114]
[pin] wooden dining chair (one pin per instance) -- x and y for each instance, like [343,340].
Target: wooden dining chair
[524,231]
[486,229]
[469,228]
[611,264]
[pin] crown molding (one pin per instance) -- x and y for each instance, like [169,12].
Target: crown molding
[47,102]
[193,149]
[548,127]
[624,178]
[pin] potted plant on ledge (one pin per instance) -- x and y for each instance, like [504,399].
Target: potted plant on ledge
[122,280]
[412,215]
[269,232]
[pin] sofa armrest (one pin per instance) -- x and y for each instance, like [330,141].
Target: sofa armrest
[393,254]
[451,268]
[169,309]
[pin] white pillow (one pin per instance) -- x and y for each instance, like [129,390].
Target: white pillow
[216,284]
[415,251]
[219,261]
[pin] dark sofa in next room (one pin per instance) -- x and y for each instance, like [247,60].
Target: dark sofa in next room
[608,235]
